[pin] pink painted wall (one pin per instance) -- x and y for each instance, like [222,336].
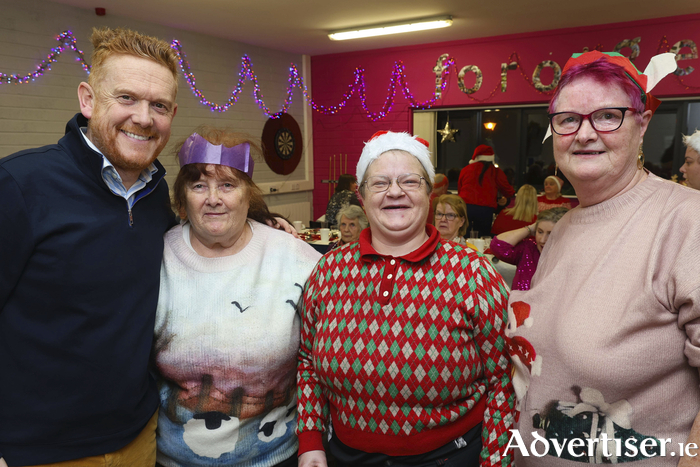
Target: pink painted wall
[345,131]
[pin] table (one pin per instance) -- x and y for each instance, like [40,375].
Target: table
[504,269]
[313,238]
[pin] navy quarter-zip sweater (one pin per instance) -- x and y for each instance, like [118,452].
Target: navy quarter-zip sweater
[78,294]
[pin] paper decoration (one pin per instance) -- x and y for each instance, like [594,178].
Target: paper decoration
[632,44]
[692,55]
[477,84]
[438,69]
[555,80]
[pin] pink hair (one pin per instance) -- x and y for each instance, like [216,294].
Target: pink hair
[607,74]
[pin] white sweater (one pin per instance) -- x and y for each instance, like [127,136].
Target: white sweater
[227,336]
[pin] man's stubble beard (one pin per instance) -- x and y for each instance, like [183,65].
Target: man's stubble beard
[107,145]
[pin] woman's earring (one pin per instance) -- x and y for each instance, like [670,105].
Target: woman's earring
[640,159]
[556,169]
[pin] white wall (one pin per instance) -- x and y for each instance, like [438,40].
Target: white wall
[35,114]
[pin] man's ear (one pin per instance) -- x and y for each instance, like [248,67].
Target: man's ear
[86,98]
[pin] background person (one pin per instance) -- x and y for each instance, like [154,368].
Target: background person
[439,189]
[552,197]
[351,221]
[691,167]
[479,186]
[523,212]
[227,331]
[401,275]
[80,266]
[522,246]
[344,195]
[609,333]
[451,218]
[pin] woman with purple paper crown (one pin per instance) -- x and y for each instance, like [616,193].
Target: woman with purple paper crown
[606,343]
[227,331]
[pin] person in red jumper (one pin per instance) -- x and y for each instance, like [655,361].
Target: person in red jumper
[403,334]
[479,185]
[522,214]
[439,189]
[552,198]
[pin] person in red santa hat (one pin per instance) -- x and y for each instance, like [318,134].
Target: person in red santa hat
[403,346]
[552,197]
[479,185]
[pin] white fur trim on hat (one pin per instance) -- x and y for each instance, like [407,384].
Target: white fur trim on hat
[557,180]
[390,141]
[482,159]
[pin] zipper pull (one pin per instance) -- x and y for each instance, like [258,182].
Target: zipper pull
[131,219]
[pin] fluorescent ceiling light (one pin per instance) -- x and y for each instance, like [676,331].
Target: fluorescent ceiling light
[392,28]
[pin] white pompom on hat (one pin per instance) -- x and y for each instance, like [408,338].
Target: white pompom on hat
[383,141]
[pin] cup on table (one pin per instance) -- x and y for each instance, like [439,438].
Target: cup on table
[325,234]
[474,234]
[478,243]
[298,226]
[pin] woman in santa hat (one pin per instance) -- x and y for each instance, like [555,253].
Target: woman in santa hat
[552,198]
[403,334]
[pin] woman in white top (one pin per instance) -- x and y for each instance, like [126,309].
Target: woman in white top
[227,331]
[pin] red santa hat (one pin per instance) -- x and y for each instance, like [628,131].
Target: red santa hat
[383,141]
[521,351]
[483,153]
[521,311]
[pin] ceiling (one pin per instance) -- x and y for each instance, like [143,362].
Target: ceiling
[301,26]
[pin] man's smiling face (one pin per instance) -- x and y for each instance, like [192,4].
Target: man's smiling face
[131,111]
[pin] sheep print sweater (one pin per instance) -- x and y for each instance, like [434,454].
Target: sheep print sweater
[406,353]
[226,342]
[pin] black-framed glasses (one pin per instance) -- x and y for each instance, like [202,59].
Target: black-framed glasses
[450,216]
[381,183]
[602,120]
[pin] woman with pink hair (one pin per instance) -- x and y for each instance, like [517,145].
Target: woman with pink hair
[606,349]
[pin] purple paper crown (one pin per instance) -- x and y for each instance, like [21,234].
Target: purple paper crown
[198,150]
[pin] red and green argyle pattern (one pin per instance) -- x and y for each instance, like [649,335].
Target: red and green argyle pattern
[414,367]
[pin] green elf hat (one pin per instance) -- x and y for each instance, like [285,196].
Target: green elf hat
[659,66]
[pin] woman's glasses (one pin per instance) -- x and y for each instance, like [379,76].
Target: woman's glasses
[602,120]
[450,216]
[381,183]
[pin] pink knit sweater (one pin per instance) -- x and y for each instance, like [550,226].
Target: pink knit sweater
[607,340]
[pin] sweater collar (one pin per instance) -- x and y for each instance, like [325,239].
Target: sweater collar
[419,254]
[90,161]
[617,204]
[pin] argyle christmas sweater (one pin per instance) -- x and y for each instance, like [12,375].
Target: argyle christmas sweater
[405,353]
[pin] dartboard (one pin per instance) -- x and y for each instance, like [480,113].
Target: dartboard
[282,144]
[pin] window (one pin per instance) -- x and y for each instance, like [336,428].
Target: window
[517,141]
